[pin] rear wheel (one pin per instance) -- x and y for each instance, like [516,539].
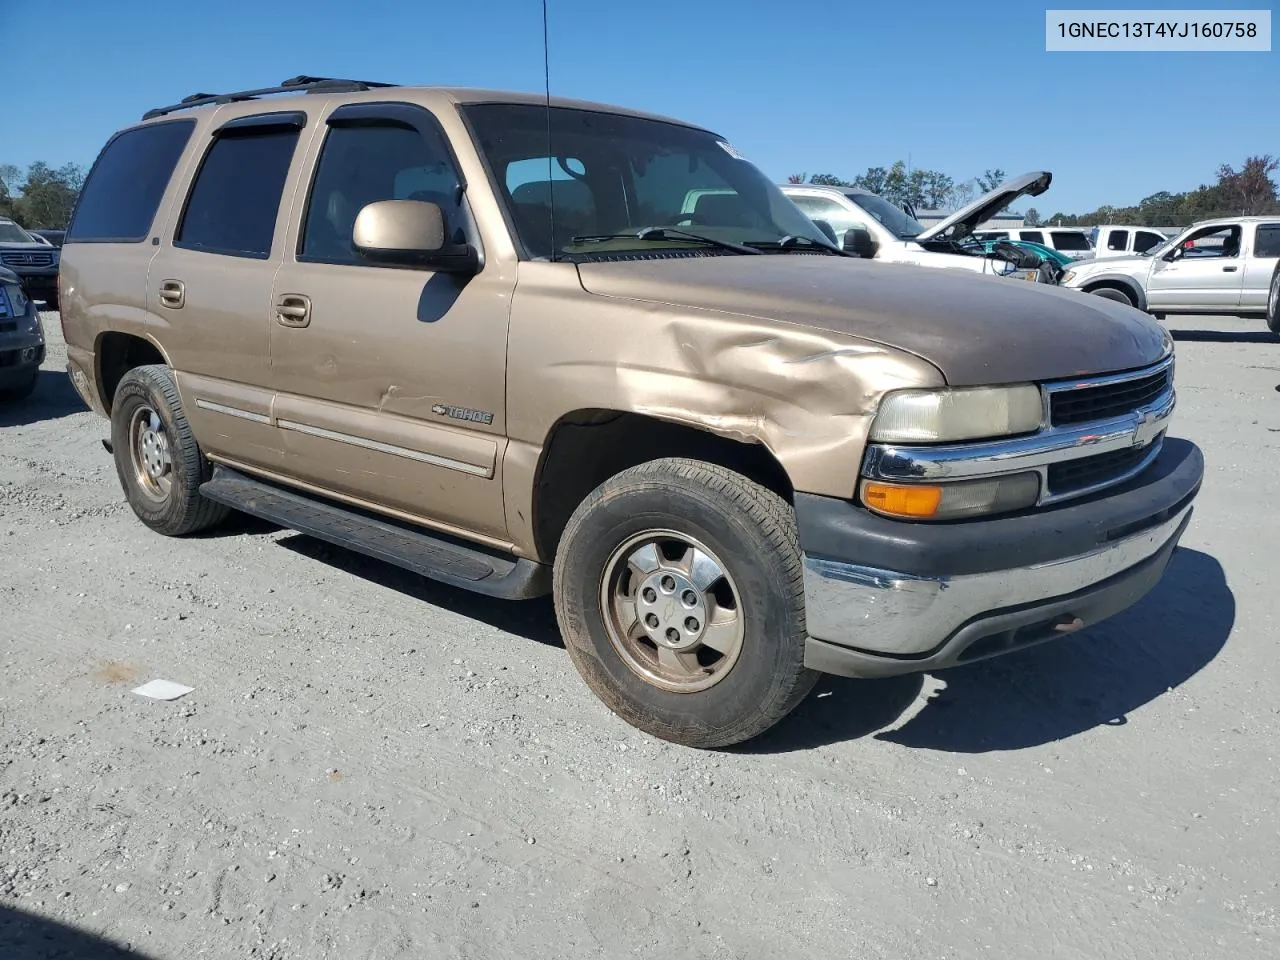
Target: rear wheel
[1111,293]
[157,458]
[680,596]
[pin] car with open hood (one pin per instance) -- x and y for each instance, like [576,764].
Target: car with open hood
[527,345]
[874,228]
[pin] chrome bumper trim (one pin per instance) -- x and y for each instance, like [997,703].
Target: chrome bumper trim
[902,615]
[1034,453]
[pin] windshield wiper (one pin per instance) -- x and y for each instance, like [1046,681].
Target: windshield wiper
[791,241]
[668,233]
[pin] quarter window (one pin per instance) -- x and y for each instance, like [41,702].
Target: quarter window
[1069,240]
[235,198]
[1144,241]
[365,163]
[123,192]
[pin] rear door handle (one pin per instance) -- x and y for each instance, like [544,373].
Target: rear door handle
[1230,269]
[293,310]
[173,294]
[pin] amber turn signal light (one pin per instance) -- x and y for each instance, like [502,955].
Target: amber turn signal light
[902,500]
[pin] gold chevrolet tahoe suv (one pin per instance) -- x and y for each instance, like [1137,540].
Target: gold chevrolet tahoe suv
[528,346]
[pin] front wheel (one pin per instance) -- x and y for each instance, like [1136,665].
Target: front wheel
[679,592]
[157,459]
[1111,293]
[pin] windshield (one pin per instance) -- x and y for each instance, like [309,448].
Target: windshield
[12,233]
[894,219]
[616,175]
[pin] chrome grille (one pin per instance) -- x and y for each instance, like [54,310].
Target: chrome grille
[1075,477]
[12,259]
[1087,401]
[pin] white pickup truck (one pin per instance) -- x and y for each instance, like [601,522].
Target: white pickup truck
[1223,266]
[869,225]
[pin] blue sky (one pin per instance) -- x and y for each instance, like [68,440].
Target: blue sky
[818,87]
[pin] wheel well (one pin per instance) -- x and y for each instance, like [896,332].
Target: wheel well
[1120,285]
[117,354]
[587,447]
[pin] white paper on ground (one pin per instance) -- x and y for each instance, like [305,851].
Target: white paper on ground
[162,690]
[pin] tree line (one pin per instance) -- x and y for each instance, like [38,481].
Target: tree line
[919,188]
[40,197]
[1249,191]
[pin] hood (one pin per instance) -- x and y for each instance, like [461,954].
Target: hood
[1132,264]
[965,220]
[976,329]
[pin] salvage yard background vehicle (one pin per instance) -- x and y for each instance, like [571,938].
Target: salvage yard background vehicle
[21,339]
[1069,241]
[34,261]
[1222,266]
[876,229]
[1125,241]
[465,332]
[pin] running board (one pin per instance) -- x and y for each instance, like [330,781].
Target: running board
[431,555]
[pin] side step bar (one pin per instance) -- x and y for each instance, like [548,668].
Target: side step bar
[434,556]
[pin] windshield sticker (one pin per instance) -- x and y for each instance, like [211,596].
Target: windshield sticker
[730,150]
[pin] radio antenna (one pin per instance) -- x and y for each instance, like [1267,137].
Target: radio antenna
[546,86]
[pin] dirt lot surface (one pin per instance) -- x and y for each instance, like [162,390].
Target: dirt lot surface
[372,766]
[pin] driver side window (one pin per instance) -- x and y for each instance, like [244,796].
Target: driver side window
[822,208]
[359,165]
[1211,243]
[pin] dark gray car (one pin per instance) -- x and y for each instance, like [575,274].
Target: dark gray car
[35,263]
[21,339]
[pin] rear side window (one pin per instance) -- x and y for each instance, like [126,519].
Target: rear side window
[1143,241]
[1033,236]
[1068,240]
[1118,240]
[1267,243]
[123,191]
[235,198]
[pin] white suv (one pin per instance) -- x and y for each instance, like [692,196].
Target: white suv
[1223,266]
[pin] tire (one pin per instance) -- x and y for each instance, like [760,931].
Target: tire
[22,390]
[1273,302]
[148,428]
[1111,293]
[706,696]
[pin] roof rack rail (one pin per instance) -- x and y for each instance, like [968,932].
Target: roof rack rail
[298,84]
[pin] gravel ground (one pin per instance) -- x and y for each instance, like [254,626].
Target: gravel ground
[372,766]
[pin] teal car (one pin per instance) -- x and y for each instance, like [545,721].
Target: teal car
[1045,253]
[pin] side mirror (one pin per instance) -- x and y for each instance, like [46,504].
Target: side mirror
[858,241]
[410,233]
[828,231]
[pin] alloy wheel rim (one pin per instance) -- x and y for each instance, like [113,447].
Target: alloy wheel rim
[672,610]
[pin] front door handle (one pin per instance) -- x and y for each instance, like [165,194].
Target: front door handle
[173,294]
[1230,269]
[293,310]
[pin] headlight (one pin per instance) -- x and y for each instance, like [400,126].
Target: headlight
[946,416]
[952,501]
[17,298]
[1068,276]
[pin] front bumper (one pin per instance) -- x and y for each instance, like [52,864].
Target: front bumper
[18,358]
[886,597]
